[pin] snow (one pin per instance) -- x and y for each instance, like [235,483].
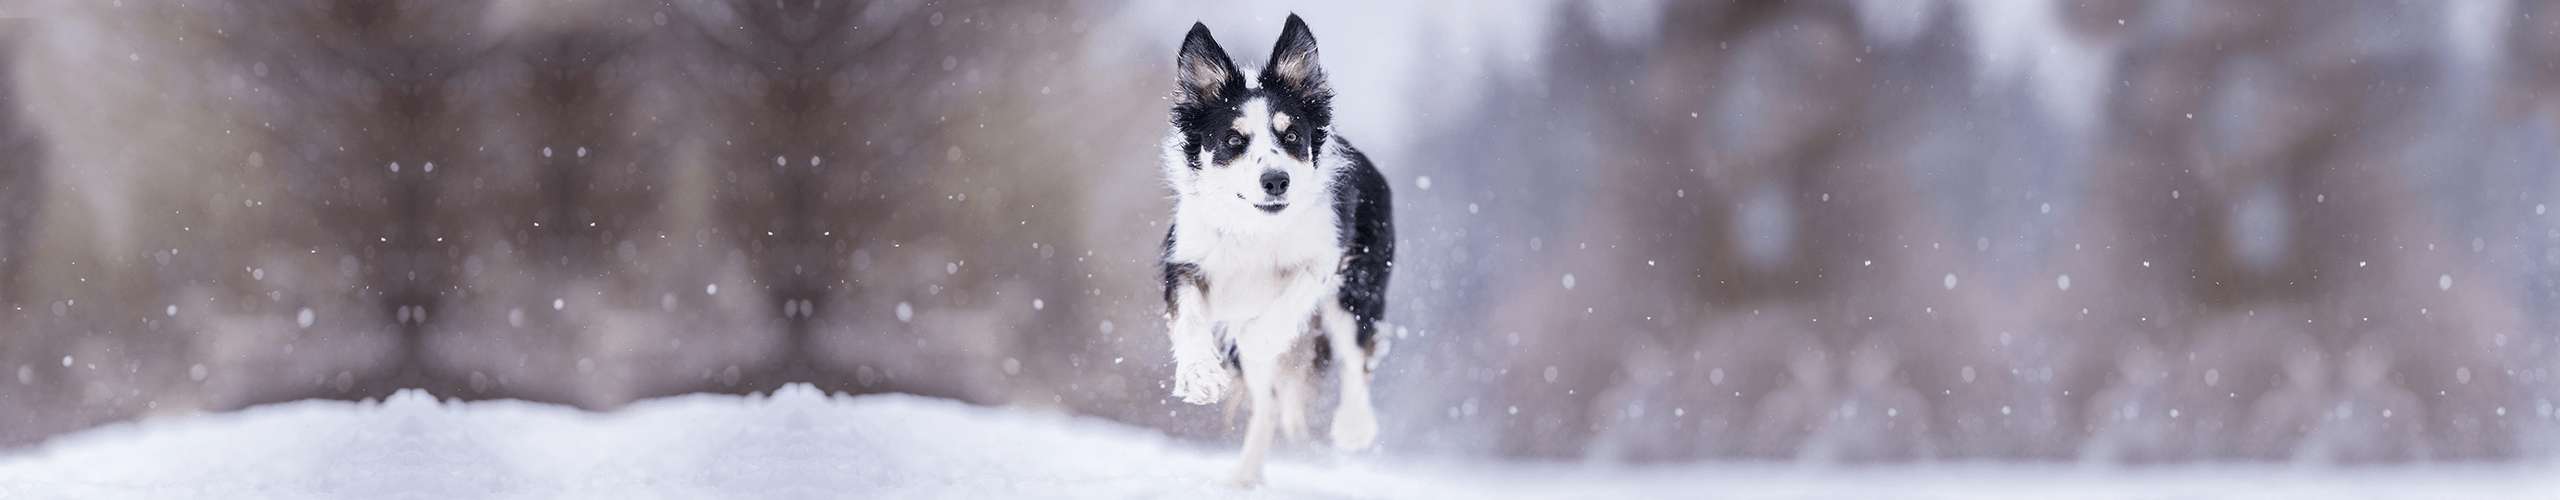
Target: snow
[800,443]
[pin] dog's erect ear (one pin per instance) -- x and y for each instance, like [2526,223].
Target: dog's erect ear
[1202,69]
[1293,60]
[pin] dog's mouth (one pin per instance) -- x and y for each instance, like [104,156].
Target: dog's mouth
[1269,206]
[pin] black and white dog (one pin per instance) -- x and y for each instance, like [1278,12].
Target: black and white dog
[1281,231]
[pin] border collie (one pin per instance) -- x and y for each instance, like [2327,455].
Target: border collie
[1281,233]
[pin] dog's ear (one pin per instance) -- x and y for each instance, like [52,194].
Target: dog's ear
[1202,70]
[1293,60]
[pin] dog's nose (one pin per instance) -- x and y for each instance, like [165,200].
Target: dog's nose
[1275,182]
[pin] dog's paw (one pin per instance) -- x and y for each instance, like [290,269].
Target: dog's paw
[1243,477]
[1355,428]
[1200,382]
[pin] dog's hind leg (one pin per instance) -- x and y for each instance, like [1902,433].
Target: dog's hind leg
[1355,423]
[1296,386]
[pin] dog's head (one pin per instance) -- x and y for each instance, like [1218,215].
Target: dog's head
[1250,141]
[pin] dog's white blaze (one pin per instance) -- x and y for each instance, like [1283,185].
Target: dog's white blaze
[1252,121]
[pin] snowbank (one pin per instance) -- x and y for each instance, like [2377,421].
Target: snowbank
[799,443]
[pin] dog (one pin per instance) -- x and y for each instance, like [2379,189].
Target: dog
[1276,262]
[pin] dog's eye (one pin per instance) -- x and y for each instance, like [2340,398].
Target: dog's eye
[1235,140]
[1289,137]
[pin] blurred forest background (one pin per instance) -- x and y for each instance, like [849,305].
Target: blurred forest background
[1825,230]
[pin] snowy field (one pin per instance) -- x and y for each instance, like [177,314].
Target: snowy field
[799,443]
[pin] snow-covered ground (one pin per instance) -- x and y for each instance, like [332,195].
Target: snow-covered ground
[799,443]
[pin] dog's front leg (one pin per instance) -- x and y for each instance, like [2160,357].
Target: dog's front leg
[1199,370]
[1260,347]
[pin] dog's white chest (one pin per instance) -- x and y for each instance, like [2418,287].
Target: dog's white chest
[1247,271]
[1240,292]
